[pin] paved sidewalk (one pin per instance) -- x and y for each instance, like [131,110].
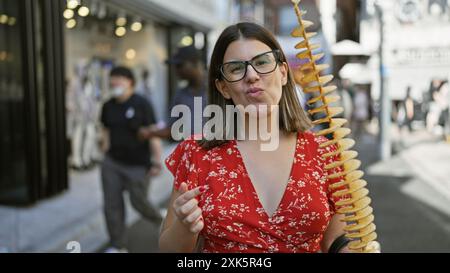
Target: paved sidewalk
[409,197]
[74,215]
[425,158]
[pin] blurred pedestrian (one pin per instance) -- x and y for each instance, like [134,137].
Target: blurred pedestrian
[437,106]
[129,162]
[445,115]
[428,97]
[405,115]
[190,67]
[360,111]
[344,89]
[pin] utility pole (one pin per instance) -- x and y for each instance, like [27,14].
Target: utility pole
[385,110]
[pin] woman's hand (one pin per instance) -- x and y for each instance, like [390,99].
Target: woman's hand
[187,210]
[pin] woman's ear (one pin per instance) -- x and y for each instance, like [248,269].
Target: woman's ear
[284,69]
[223,89]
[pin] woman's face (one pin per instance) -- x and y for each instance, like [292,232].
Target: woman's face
[255,88]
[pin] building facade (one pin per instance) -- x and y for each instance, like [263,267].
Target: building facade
[32,142]
[46,43]
[416,46]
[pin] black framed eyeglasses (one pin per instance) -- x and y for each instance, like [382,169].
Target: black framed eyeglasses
[263,63]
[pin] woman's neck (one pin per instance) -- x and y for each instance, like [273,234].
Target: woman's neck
[259,129]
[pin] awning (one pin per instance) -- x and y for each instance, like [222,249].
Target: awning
[158,11]
[357,73]
[349,48]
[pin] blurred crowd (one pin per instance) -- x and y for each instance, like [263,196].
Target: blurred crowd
[431,113]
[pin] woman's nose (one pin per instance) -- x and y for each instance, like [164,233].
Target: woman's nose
[251,75]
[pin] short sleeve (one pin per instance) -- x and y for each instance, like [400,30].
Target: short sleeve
[182,164]
[321,151]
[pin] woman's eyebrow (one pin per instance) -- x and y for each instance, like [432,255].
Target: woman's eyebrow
[240,60]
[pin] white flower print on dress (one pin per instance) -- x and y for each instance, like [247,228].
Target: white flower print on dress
[260,211]
[230,245]
[243,247]
[235,221]
[276,220]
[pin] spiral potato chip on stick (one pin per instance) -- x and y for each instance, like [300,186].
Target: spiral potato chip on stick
[354,202]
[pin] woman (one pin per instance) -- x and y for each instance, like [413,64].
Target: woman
[235,197]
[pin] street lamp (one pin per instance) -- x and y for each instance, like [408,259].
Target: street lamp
[385,112]
[72,4]
[83,11]
[136,25]
[68,14]
[71,23]
[3,18]
[120,31]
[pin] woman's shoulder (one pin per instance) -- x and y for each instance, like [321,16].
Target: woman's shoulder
[190,144]
[314,144]
[190,156]
[194,144]
[183,155]
[312,138]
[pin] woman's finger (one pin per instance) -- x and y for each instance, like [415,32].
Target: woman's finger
[188,195]
[183,188]
[197,226]
[188,207]
[194,216]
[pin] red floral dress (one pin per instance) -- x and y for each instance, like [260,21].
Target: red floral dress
[235,220]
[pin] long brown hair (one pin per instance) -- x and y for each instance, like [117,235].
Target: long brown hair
[292,117]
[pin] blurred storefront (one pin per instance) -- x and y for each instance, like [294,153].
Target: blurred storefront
[47,45]
[140,34]
[416,46]
[32,125]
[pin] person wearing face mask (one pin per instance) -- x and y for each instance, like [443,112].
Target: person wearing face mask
[129,162]
[230,195]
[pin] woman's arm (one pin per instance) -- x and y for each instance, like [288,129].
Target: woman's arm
[104,140]
[183,223]
[334,230]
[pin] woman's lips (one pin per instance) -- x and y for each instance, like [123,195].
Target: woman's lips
[254,92]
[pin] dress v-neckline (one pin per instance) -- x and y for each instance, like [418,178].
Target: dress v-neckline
[252,186]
